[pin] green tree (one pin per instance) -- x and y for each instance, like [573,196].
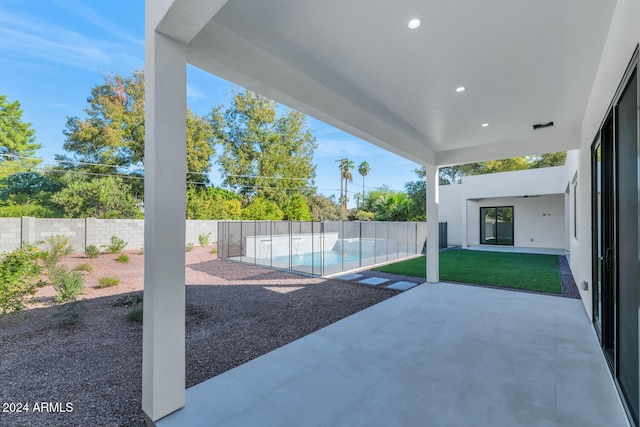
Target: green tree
[106,197]
[453,174]
[111,137]
[364,170]
[265,155]
[417,193]
[262,208]
[297,209]
[213,203]
[346,176]
[28,194]
[17,138]
[392,207]
[324,208]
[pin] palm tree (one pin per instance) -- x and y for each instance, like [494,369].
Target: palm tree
[347,165]
[364,170]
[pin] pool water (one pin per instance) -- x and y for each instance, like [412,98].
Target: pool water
[315,259]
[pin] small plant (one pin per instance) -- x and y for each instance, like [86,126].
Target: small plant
[70,313]
[189,247]
[84,267]
[141,251]
[59,247]
[203,239]
[127,300]
[107,282]
[19,272]
[135,315]
[68,284]
[123,258]
[92,251]
[116,245]
[214,250]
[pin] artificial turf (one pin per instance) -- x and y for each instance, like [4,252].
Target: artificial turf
[511,270]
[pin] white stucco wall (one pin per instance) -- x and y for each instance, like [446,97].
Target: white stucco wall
[460,206]
[538,222]
[624,35]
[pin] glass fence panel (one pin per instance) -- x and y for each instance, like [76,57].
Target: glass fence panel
[421,235]
[351,241]
[248,233]
[263,243]
[281,244]
[221,244]
[302,257]
[382,242]
[392,241]
[368,243]
[317,229]
[332,247]
[234,246]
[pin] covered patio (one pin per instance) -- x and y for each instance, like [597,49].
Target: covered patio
[437,355]
[440,83]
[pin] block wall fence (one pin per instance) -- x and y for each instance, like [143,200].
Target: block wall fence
[89,231]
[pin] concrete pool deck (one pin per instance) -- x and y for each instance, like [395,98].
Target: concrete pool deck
[439,355]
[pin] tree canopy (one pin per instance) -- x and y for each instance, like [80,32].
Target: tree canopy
[265,154]
[110,139]
[17,138]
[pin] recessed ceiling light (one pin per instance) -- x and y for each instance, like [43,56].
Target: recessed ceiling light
[484,125]
[414,23]
[460,89]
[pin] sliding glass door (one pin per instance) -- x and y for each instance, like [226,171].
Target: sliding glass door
[496,225]
[616,237]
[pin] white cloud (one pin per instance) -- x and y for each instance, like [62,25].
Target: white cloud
[36,38]
[193,93]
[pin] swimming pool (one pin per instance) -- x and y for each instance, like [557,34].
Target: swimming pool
[319,248]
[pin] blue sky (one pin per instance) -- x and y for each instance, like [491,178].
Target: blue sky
[52,53]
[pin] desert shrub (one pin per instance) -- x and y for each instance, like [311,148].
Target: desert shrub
[127,300]
[189,247]
[135,315]
[57,247]
[203,239]
[19,273]
[70,313]
[214,250]
[83,267]
[92,251]
[68,284]
[116,245]
[107,282]
[123,258]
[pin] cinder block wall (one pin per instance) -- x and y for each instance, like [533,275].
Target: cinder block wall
[197,227]
[10,233]
[40,229]
[89,231]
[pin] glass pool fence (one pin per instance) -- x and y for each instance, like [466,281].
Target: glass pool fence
[319,248]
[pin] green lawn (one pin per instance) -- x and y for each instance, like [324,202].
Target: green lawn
[511,270]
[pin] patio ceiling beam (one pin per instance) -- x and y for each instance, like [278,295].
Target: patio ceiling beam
[163,350]
[184,19]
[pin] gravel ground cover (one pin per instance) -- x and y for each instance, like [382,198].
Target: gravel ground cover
[90,373]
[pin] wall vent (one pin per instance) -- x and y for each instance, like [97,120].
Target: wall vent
[542,125]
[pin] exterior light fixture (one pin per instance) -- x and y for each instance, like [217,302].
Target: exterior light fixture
[484,125]
[460,89]
[414,23]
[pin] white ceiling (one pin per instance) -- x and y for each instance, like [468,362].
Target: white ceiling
[356,65]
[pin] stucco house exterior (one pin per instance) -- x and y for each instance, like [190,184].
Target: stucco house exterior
[536,204]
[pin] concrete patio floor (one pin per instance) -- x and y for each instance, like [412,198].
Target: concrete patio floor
[436,355]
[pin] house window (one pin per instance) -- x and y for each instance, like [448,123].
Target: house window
[496,225]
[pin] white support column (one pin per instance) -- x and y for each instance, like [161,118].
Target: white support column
[465,221]
[433,230]
[163,349]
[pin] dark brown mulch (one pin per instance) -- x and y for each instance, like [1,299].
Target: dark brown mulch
[96,365]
